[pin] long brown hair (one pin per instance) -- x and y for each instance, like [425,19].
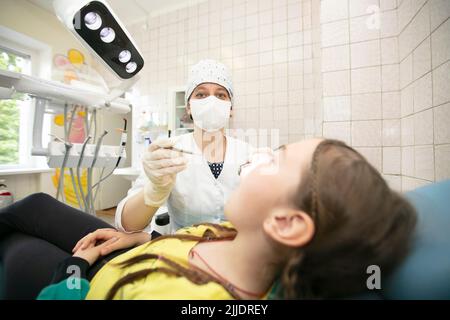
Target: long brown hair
[359,221]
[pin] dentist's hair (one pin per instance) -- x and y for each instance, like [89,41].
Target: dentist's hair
[359,222]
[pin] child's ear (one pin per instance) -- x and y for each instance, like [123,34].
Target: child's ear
[292,228]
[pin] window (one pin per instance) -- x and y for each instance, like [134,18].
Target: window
[22,54]
[13,113]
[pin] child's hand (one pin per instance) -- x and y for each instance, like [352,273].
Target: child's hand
[92,252]
[124,240]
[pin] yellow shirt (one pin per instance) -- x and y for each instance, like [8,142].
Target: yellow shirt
[156,285]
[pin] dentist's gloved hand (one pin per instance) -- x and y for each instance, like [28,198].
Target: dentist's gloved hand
[161,166]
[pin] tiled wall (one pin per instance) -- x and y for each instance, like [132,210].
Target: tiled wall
[386,84]
[360,73]
[424,55]
[271,46]
[374,73]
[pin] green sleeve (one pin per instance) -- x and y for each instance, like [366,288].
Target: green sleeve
[66,284]
[65,291]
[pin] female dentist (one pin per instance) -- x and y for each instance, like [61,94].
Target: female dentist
[195,186]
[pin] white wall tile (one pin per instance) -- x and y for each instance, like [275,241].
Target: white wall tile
[407,100]
[423,127]
[390,75]
[366,106]
[408,131]
[439,11]
[388,4]
[441,44]
[336,83]
[422,59]
[391,105]
[366,80]
[331,10]
[295,25]
[336,58]
[338,130]
[295,54]
[405,42]
[424,162]
[295,39]
[367,133]
[362,7]
[365,54]
[389,50]
[337,108]
[441,84]
[263,4]
[363,29]
[423,93]
[296,126]
[409,184]
[442,156]
[406,71]
[335,33]
[389,24]
[392,159]
[392,132]
[408,161]
[405,13]
[442,124]
[420,26]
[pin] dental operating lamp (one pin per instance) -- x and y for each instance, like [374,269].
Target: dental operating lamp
[99,30]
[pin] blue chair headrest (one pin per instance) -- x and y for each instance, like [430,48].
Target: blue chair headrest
[425,273]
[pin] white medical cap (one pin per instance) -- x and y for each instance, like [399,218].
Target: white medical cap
[209,71]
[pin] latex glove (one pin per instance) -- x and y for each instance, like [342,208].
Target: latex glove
[161,166]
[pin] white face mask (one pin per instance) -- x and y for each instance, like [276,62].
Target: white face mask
[210,114]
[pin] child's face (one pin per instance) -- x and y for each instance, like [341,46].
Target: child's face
[268,184]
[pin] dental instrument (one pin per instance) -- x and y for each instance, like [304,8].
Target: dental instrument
[180,150]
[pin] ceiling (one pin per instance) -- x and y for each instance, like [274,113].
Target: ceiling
[131,11]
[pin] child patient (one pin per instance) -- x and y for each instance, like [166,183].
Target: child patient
[308,221]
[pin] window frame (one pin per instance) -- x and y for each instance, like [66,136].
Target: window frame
[40,66]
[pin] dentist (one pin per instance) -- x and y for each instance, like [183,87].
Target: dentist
[194,186]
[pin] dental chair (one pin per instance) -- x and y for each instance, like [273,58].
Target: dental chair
[425,273]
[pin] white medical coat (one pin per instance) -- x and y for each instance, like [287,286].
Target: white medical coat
[197,195]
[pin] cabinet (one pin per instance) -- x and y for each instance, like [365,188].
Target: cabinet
[180,122]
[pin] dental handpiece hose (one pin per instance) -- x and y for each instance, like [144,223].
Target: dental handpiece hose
[90,170]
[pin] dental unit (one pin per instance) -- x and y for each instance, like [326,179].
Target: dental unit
[99,30]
